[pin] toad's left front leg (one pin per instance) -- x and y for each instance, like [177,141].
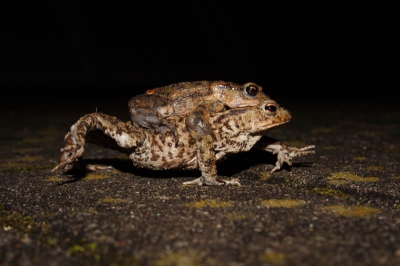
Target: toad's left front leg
[284,153]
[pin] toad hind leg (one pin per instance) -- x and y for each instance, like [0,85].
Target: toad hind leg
[100,129]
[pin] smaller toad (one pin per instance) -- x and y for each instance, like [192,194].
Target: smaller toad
[234,130]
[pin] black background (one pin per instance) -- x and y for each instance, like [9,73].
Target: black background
[70,51]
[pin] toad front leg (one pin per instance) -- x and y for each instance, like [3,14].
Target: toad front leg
[100,129]
[150,111]
[284,153]
[200,130]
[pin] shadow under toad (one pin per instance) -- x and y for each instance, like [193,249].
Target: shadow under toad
[231,166]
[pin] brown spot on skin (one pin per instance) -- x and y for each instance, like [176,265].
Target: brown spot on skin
[119,131]
[226,124]
[160,146]
[218,120]
[181,145]
[155,156]
[180,154]
[230,142]
[189,154]
[170,155]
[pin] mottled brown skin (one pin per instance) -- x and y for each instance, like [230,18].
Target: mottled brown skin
[234,131]
[194,100]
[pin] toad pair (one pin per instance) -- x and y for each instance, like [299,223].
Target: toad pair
[188,125]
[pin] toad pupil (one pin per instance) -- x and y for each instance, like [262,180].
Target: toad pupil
[271,108]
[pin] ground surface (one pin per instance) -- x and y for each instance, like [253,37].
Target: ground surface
[337,207]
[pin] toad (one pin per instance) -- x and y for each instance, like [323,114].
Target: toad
[234,130]
[194,100]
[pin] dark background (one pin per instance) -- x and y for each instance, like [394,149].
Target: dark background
[70,51]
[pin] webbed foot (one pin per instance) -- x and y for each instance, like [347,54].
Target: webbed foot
[286,154]
[70,155]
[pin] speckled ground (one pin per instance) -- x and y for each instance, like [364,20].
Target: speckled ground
[337,207]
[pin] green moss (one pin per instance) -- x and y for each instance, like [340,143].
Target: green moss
[353,211]
[360,158]
[77,248]
[348,177]
[210,203]
[93,176]
[179,259]
[375,168]
[54,179]
[52,241]
[113,200]
[275,258]
[282,203]
[329,192]
[265,176]
[21,223]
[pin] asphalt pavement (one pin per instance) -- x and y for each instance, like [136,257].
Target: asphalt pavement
[339,206]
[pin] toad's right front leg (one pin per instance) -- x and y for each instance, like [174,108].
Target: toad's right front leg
[100,129]
[150,111]
[200,130]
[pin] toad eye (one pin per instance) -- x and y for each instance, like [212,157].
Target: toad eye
[270,108]
[251,90]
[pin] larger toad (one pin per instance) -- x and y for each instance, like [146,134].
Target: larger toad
[235,130]
[195,100]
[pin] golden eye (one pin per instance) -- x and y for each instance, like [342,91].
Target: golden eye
[251,90]
[271,108]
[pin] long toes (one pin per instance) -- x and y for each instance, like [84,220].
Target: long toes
[219,182]
[197,182]
[233,181]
